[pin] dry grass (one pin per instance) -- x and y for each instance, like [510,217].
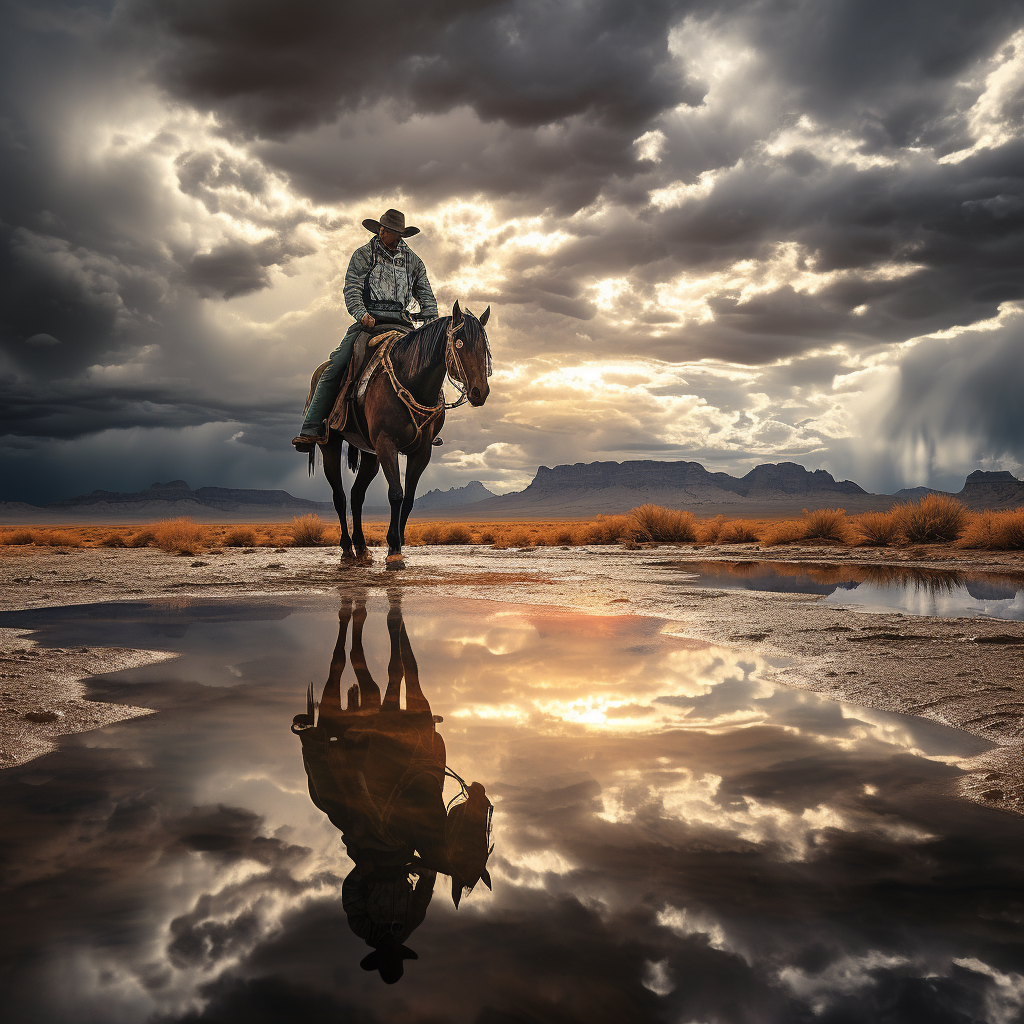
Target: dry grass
[995,531]
[654,523]
[308,531]
[877,529]
[709,530]
[439,533]
[184,536]
[17,537]
[936,519]
[739,531]
[57,539]
[239,537]
[826,524]
[785,531]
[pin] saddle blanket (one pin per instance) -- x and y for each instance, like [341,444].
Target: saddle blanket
[362,368]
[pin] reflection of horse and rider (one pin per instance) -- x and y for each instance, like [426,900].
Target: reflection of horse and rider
[377,771]
[381,390]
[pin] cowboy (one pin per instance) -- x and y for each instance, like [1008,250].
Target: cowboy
[383,278]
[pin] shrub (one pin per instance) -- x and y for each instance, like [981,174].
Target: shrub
[442,533]
[938,518]
[826,524]
[142,539]
[18,537]
[240,537]
[654,523]
[877,529]
[709,530]
[738,532]
[999,531]
[113,540]
[1011,531]
[184,535]
[456,533]
[308,531]
[514,538]
[785,532]
[604,530]
[57,539]
[278,540]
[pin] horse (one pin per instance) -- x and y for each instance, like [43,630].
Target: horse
[403,411]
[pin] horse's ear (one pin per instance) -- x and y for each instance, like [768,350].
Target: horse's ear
[456,314]
[486,314]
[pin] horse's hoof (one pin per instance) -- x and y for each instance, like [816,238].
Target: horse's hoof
[347,554]
[394,560]
[362,555]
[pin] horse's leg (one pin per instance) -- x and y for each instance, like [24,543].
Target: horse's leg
[367,690]
[387,453]
[416,463]
[332,471]
[368,466]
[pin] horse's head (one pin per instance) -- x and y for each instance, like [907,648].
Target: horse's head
[471,365]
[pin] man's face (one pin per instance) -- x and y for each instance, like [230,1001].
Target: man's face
[389,238]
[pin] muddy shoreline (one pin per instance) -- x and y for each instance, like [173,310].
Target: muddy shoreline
[967,673]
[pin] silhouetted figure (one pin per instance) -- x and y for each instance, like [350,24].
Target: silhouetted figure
[377,771]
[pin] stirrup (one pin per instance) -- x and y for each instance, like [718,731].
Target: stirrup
[305,443]
[437,441]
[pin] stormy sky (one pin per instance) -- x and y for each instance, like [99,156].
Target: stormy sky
[735,232]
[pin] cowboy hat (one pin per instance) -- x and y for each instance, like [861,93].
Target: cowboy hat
[393,220]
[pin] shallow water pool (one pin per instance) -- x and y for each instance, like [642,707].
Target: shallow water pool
[674,837]
[911,590]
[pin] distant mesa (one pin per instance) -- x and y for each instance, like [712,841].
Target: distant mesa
[992,490]
[454,497]
[584,489]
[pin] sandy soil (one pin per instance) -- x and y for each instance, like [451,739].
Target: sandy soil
[965,673]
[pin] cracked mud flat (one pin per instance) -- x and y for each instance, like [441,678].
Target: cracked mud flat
[965,672]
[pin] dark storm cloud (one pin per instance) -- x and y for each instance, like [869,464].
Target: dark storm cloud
[273,68]
[886,68]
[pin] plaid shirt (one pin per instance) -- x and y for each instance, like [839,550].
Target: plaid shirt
[387,285]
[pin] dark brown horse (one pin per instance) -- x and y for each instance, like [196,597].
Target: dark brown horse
[403,411]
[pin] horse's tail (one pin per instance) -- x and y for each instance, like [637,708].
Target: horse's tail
[353,457]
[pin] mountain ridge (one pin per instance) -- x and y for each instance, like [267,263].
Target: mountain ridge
[568,491]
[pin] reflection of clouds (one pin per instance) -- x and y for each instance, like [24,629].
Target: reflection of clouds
[645,871]
[696,801]
[951,602]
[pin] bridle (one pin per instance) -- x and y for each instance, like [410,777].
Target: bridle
[456,372]
[422,414]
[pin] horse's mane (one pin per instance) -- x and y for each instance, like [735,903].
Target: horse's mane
[425,346]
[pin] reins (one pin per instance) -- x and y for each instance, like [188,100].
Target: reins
[454,370]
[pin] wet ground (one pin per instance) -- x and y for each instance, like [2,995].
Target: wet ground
[678,834]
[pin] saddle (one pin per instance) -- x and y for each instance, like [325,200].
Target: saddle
[367,351]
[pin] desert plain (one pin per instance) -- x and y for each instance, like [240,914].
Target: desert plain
[963,672]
